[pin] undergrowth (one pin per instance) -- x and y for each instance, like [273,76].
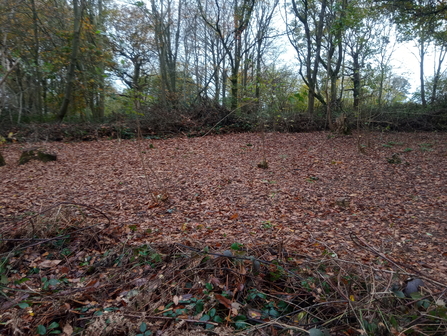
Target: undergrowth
[67,269]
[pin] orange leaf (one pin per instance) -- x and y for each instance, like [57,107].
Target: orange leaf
[235,216]
[223,300]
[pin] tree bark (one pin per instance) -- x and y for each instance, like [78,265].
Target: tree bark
[77,11]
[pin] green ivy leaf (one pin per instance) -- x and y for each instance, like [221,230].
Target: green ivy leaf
[53,282]
[236,246]
[315,332]
[205,318]
[143,327]
[53,325]
[273,312]
[240,324]
[199,306]
[4,279]
[18,282]
[41,330]
[399,294]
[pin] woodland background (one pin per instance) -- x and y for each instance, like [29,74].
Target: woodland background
[180,65]
[272,230]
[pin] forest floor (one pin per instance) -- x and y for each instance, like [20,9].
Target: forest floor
[379,199]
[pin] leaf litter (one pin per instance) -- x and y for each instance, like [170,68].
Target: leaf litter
[188,234]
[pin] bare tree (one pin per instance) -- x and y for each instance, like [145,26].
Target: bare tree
[306,35]
[166,23]
[132,39]
[230,23]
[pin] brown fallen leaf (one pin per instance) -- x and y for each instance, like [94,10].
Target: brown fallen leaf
[235,308]
[68,330]
[254,314]
[223,300]
[49,263]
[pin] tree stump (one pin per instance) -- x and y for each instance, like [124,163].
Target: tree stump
[2,160]
[341,125]
[342,202]
[36,154]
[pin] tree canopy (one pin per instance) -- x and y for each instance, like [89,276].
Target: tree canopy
[89,59]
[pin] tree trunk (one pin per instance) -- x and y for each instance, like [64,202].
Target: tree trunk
[356,79]
[437,75]
[313,50]
[77,11]
[422,52]
[38,76]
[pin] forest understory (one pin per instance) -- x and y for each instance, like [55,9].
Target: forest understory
[324,208]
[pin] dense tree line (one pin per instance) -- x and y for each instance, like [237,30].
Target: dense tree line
[183,59]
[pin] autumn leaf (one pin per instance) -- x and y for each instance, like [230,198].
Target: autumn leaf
[234,216]
[68,330]
[223,300]
[49,263]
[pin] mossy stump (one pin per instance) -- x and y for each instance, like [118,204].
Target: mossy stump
[36,154]
[263,164]
[2,160]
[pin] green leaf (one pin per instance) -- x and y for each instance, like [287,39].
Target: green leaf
[209,286]
[212,312]
[53,325]
[147,333]
[236,246]
[315,332]
[53,282]
[217,319]
[3,279]
[143,327]
[399,294]
[23,305]
[240,324]
[18,282]
[199,306]
[205,318]
[273,312]
[41,330]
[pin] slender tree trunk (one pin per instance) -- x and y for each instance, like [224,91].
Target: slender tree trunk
[356,79]
[100,108]
[437,74]
[224,85]
[421,70]
[77,11]
[258,71]
[38,76]
[313,50]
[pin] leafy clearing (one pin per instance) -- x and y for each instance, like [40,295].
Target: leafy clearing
[319,243]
